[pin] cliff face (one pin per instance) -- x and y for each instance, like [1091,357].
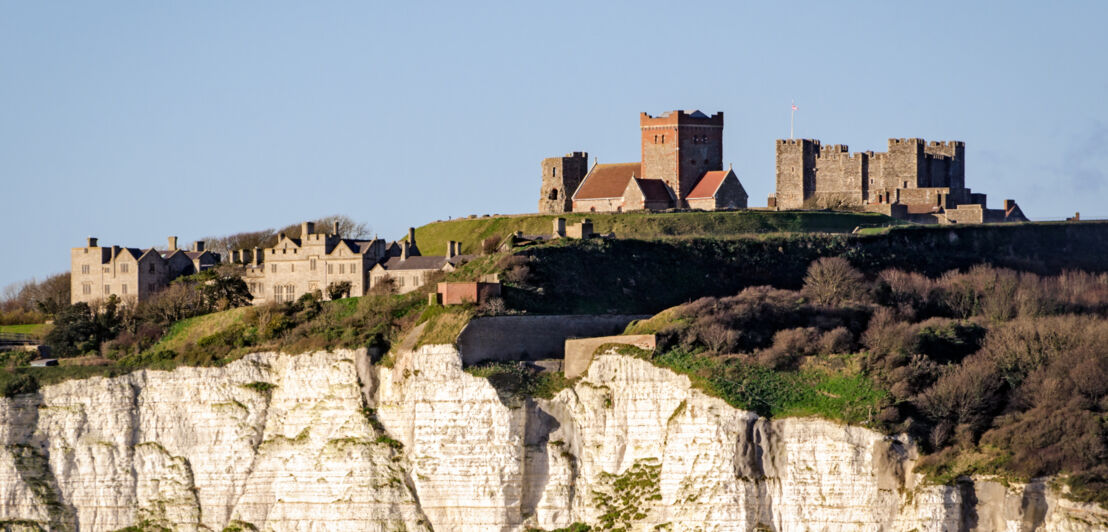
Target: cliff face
[279,441]
[284,443]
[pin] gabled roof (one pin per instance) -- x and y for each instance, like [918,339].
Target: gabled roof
[421,262]
[708,185]
[359,246]
[607,180]
[653,190]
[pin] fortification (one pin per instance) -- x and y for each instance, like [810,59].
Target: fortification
[560,178]
[918,180]
[678,148]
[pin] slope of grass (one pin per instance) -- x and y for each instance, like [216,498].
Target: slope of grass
[470,232]
[37,329]
[191,330]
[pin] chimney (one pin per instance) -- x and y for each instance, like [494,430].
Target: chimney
[335,227]
[172,243]
[450,249]
[404,250]
[559,228]
[198,245]
[115,252]
[411,236]
[91,241]
[257,257]
[457,248]
[306,229]
[280,236]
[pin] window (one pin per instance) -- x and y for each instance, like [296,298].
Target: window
[554,172]
[123,268]
[123,290]
[342,268]
[84,269]
[107,269]
[107,289]
[151,267]
[273,268]
[311,264]
[86,288]
[400,281]
[353,268]
[330,268]
[663,139]
[292,267]
[553,194]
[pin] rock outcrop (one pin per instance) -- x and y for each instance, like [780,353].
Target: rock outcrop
[325,441]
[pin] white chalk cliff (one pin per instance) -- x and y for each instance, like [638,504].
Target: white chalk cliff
[282,442]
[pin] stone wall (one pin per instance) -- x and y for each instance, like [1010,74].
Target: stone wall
[580,351]
[560,178]
[511,338]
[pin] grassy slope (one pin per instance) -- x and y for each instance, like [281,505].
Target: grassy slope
[470,232]
[191,330]
[33,328]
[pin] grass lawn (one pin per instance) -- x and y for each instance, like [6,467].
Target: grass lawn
[470,232]
[31,328]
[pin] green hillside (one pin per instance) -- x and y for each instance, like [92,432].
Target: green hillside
[470,232]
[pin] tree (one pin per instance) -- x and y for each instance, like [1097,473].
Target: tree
[223,288]
[338,290]
[832,280]
[75,331]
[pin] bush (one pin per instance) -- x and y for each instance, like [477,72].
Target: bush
[833,281]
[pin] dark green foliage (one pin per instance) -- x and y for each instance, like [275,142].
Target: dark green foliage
[338,290]
[639,276]
[13,384]
[260,387]
[78,329]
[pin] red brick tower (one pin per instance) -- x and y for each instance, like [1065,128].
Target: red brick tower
[679,147]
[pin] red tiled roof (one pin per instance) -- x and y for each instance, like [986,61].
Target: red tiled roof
[653,189]
[607,180]
[708,185]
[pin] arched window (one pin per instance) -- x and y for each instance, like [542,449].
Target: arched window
[553,194]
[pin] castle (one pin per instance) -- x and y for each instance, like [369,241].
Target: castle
[681,167]
[915,180]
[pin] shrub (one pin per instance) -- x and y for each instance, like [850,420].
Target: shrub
[832,281]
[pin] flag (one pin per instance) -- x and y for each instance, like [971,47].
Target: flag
[794,107]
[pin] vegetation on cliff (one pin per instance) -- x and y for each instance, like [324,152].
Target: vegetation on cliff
[471,232]
[994,371]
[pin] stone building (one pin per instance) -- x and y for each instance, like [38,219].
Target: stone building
[679,149]
[915,180]
[407,269]
[297,266]
[132,274]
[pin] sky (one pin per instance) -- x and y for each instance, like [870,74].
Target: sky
[133,121]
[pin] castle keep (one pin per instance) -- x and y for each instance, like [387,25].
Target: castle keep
[915,180]
[681,167]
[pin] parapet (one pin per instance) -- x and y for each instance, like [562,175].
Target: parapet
[947,144]
[916,141]
[577,155]
[680,117]
[797,142]
[841,148]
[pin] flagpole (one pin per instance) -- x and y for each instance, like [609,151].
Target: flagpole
[792,116]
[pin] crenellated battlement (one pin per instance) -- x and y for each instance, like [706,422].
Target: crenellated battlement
[681,118]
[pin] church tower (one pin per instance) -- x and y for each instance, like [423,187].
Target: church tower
[678,147]
[560,178]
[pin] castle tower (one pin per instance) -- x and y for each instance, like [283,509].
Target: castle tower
[560,178]
[679,147]
[796,171]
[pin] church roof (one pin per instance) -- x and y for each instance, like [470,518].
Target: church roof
[653,189]
[607,180]
[708,185]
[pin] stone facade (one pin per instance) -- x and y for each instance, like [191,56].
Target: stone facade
[297,266]
[927,179]
[679,149]
[560,178]
[131,274]
[406,269]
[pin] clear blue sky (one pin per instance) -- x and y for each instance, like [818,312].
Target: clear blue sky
[131,121]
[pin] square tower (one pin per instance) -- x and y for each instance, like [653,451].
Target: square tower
[560,178]
[679,147]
